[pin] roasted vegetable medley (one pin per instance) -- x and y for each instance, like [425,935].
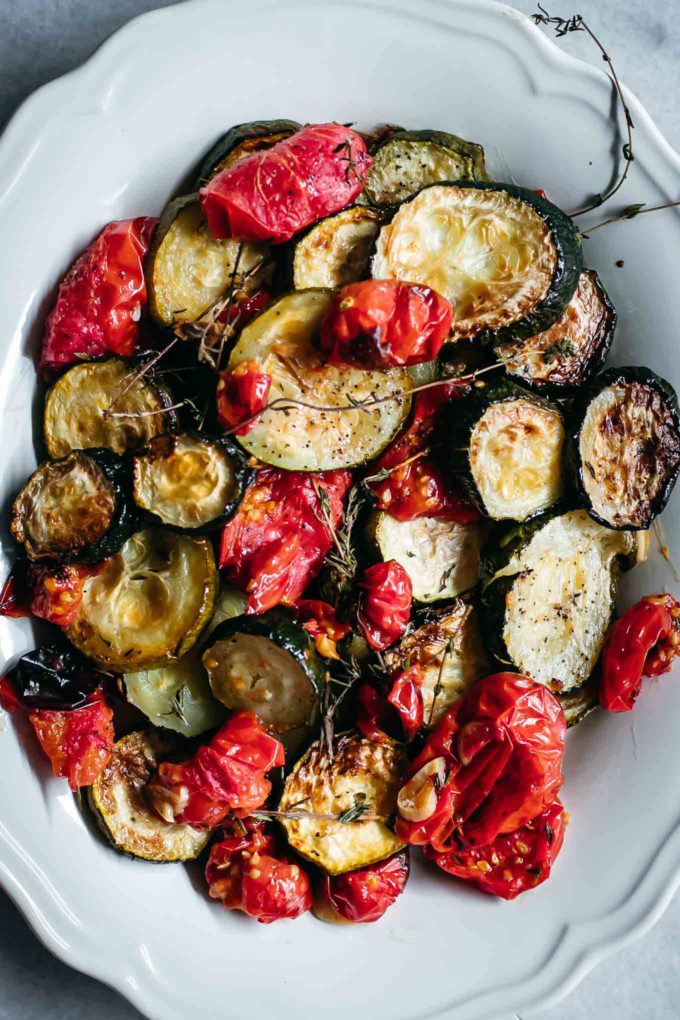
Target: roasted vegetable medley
[335,502]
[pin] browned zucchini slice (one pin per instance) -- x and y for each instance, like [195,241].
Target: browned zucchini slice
[188,270]
[75,508]
[149,604]
[362,778]
[337,250]
[627,441]
[75,407]
[563,357]
[449,650]
[240,141]
[118,801]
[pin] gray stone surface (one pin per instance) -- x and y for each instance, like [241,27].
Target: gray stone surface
[40,39]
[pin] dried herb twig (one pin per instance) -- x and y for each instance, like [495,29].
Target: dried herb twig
[630,212]
[576,23]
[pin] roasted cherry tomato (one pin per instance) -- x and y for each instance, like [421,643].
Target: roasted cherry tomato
[247,871]
[54,677]
[101,298]
[278,539]
[77,742]
[319,619]
[242,393]
[395,714]
[274,193]
[492,765]
[241,311]
[360,897]
[415,484]
[380,323]
[384,604]
[643,642]
[511,864]
[51,593]
[227,774]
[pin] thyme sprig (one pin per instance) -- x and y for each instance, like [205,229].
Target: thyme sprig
[359,812]
[630,212]
[178,704]
[576,23]
[134,377]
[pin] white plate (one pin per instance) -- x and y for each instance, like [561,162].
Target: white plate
[112,140]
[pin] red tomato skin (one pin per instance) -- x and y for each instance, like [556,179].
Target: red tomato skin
[79,742]
[242,394]
[277,540]
[248,872]
[417,486]
[228,774]
[643,642]
[101,298]
[9,700]
[50,593]
[274,193]
[385,603]
[513,863]
[502,746]
[381,323]
[406,697]
[363,896]
[241,312]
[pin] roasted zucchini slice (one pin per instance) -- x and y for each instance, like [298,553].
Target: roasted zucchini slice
[188,270]
[189,481]
[117,798]
[240,141]
[361,778]
[507,259]
[440,557]
[507,446]
[75,409]
[550,595]
[76,508]
[563,357]
[177,696]
[336,250]
[282,340]
[449,650]
[407,160]
[579,702]
[627,446]
[149,604]
[268,665]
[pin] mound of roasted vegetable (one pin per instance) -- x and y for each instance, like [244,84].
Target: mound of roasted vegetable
[331,522]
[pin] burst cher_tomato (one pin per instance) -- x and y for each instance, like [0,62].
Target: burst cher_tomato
[242,394]
[511,864]
[247,871]
[362,896]
[225,775]
[101,298]
[396,713]
[380,323]
[643,642]
[276,542]
[276,192]
[492,765]
[384,604]
[408,480]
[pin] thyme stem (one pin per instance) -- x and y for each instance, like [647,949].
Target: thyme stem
[629,213]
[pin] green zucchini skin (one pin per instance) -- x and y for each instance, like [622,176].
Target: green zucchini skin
[243,475]
[568,267]
[281,628]
[209,164]
[580,702]
[124,520]
[612,376]
[460,418]
[568,385]
[471,152]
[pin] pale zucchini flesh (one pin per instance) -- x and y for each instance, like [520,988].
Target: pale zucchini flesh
[118,800]
[337,250]
[283,340]
[561,597]
[149,603]
[76,405]
[411,159]
[440,557]
[515,455]
[449,650]
[360,773]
